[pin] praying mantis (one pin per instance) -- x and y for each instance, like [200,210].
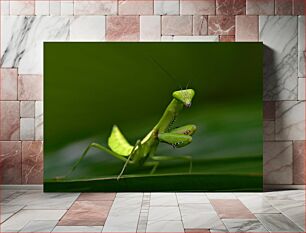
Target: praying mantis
[143,153]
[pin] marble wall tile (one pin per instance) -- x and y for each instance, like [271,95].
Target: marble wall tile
[135,7]
[269,130]
[27,129]
[22,40]
[290,120]
[27,109]
[42,7]
[279,35]
[298,7]
[32,162]
[203,7]
[166,7]
[225,38]
[301,47]
[150,28]
[301,88]
[221,25]
[122,28]
[5,7]
[247,28]
[95,7]
[260,7]
[231,209]
[278,162]
[299,162]
[190,38]
[10,162]
[283,7]
[8,84]
[230,7]
[66,7]
[200,25]
[269,110]
[55,8]
[9,120]
[176,25]
[30,87]
[22,7]
[39,120]
[87,28]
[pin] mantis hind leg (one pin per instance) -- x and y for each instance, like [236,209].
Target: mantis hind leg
[99,147]
[179,157]
[153,164]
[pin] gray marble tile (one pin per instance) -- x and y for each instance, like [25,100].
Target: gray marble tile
[9,210]
[185,198]
[159,213]
[279,35]
[22,40]
[243,225]
[301,46]
[163,199]
[78,229]
[220,196]
[39,226]
[258,205]
[277,223]
[295,195]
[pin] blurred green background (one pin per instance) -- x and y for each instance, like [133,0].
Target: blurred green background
[89,86]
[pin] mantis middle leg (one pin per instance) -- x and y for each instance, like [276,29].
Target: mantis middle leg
[179,157]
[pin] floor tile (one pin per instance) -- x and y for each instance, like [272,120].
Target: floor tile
[78,229]
[20,219]
[231,208]
[9,210]
[163,199]
[165,226]
[243,225]
[191,198]
[39,226]
[220,196]
[164,213]
[200,230]
[258,205]
[277,223]
[96,197]
[297,195]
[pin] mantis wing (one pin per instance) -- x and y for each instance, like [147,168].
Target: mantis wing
[118,143]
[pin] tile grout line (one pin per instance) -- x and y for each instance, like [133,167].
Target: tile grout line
[143,216]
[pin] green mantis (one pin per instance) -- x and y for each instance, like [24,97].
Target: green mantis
[143,153]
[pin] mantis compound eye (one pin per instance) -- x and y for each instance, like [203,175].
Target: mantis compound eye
[188,105]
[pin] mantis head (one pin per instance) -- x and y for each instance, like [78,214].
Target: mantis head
[184,96]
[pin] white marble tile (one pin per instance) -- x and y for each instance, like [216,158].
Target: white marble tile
[278,163]
[55,8]
[301,89]
[87,28]
[39,226]
[22,7]
[150,28]
[158,213]
[290,120]
[5,7]
[277,223]
[66,7]
[220,196]
[165,226]
[242,225]
[39,120]
[279,35]
[191,38]
[38,200]
[189,198]
[295,195]
[20,219]
[163,199]
[258,205]
[9,210]
[164,7]
[128,202]
[42,7]
[78,229]
[22,40]
[106,7]
[6,193]
[301,46]
[199,216]
[269,130]
[131,195]
[27,108]
[26,128]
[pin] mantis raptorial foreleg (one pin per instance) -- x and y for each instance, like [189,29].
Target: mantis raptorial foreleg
[99,147]
[177,157]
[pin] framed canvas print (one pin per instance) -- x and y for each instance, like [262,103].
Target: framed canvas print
[171,116]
